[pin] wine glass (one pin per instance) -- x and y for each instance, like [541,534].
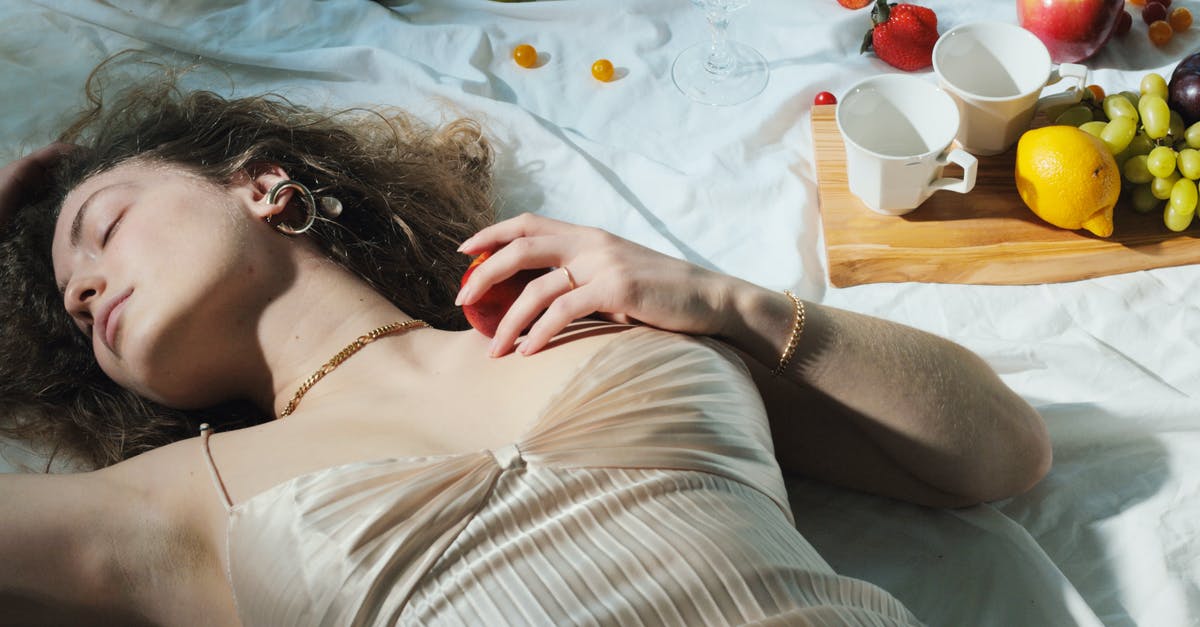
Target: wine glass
[720,72]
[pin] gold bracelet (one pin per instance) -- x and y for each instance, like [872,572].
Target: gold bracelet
[794,340]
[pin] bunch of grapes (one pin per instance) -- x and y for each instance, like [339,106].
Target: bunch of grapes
[1159,158]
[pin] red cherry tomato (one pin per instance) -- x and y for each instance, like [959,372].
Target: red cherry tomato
[824,98]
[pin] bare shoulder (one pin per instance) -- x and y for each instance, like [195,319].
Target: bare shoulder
[114,540]
[169,522]
[172,476]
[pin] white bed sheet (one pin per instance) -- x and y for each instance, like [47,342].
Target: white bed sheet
[1112,536]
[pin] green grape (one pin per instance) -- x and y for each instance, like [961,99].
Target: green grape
[1094,128]
[1135,170]
[1118,133]
[1121,158]
[1116,106]
[1176,220]
[1161,186]
[1175,127]
[1188,163]
[1132,97]
[1156,116]
[1161,161]
[1140,144]
[1192,136]
[1182,206]
[1143,199]
[1052,112]
[1074,116]
[1184,196]
[1154,83]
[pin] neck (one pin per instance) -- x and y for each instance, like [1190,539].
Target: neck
[326,309]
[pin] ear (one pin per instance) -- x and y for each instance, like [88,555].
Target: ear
[252,184]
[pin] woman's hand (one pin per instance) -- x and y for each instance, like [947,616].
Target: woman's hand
[22,180]
[620,280]
[922,418]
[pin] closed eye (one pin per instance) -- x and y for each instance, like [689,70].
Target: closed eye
[112,229]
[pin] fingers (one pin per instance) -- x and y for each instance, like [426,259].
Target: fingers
[565,309]
[539,295]
[501,233]
[549,303]
[20,180]
[525,253]
[49,154]
[556,313]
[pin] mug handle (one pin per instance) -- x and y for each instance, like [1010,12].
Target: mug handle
[1069,97]
[969,164]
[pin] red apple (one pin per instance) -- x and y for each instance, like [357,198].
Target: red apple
[485,313]
[1072,30]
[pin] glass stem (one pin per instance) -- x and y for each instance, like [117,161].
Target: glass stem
[720,61]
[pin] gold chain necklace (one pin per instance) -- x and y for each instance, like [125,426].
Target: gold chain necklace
[344,354]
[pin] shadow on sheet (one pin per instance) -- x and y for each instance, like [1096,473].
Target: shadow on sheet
[1046,557]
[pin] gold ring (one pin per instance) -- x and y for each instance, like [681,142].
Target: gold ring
[570,280]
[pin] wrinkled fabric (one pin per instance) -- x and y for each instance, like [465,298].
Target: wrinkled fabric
[647,493]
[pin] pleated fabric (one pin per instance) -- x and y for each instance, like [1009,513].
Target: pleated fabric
[646,493]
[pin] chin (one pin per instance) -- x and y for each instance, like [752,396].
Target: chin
[168,382]
[177,395]
[167,352]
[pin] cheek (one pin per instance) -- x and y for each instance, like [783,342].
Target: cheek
[119,371]
[175,252]
[157,347]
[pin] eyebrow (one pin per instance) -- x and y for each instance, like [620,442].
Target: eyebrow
[77,223]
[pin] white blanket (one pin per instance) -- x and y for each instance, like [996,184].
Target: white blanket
[1111,536]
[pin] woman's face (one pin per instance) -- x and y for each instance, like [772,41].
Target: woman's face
[165,271]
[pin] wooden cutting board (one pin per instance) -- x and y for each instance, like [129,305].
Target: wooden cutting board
[985,237]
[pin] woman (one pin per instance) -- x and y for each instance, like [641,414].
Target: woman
[398,478]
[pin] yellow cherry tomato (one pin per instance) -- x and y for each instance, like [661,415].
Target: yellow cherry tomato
[525,55]
[602,70]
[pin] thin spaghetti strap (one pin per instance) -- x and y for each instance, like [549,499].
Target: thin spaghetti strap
[205,431]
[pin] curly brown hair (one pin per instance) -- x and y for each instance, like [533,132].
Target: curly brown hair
[411,193]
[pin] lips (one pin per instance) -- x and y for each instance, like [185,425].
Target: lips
[109,317]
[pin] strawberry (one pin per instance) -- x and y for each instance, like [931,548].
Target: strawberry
[854,4]
[902,35]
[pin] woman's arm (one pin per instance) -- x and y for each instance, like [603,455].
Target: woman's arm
[125,545]
[57,547]
[866,403]
[902,412]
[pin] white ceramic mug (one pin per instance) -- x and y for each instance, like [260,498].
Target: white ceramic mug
[898,130]
[996,72]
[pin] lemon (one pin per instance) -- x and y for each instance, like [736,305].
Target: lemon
[1068,178]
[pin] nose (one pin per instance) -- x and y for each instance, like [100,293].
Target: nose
[81,295]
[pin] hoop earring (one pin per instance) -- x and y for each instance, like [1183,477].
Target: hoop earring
[306,197]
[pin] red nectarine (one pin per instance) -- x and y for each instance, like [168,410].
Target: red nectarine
[485,313]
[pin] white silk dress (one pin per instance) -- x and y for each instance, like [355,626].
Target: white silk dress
[646,493]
